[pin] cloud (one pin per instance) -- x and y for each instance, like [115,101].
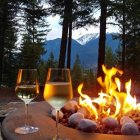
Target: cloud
[87,30]
[54,33]
[56,29]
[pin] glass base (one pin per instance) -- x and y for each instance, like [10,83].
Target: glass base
[26,129]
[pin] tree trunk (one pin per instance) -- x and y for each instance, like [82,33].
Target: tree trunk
[102,39]
[70,36]
[3,18]
[123,48]
[123,38]
[63,46]
[69,46]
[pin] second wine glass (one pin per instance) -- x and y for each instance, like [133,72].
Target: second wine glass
[58,90]
[27,88]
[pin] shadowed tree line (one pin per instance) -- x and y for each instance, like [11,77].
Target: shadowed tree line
[24,30]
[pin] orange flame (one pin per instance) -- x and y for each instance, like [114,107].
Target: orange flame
[87,102]
[112,102]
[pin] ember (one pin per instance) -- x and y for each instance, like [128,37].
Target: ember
[112,112]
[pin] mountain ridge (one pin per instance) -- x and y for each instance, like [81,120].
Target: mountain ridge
[87,37]
[88,52]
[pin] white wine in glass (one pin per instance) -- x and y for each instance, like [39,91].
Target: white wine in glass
[27,88]
[58,90]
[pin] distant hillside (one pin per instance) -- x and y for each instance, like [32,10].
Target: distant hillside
[87,50]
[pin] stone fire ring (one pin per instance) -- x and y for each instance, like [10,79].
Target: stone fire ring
[39,116]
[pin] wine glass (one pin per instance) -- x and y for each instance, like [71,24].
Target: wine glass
[58,90]
[27,88]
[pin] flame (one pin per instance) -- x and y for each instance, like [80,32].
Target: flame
[118,83]
[87,102]
[112,101]
[130,102]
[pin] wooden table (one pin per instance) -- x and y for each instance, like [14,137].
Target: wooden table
[39,116]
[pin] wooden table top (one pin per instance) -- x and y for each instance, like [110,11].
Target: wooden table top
[39,116]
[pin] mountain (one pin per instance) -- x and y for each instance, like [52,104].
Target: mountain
[86,47]
[86,38]
[54,46]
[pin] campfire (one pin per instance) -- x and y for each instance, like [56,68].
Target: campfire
[112,112]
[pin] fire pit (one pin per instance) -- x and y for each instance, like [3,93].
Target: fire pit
[113,112]
[39,116]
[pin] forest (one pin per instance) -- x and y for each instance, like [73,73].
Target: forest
[24,29]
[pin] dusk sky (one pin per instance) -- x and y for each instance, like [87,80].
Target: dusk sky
[56,29]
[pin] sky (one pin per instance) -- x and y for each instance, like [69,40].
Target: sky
[56,29]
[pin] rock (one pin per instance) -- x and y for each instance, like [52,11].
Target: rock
[87,125]
[110,122]
[126,119]
[71,106]
[84,111]
[53,114]
[75,118]
[129,129]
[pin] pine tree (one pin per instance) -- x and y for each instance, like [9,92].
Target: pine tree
[51,62]
[110,57]
[35,29]
[132,40]
[120,15]
[103,4]
[77,76]
[42,72]
[89,78]
[129,24]
[45,65]
[8,38]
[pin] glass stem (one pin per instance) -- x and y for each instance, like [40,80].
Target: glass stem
[26,115]
[57,121]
